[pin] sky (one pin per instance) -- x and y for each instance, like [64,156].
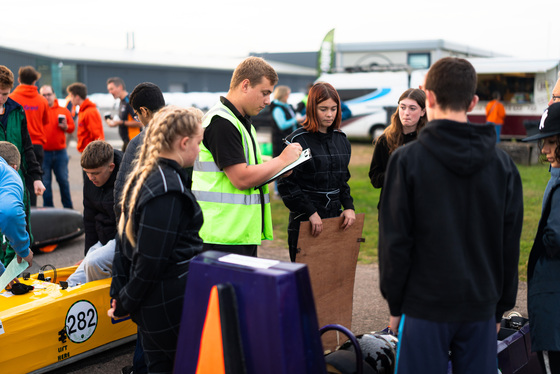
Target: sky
[236,27]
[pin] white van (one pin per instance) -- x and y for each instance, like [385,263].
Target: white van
[371,97]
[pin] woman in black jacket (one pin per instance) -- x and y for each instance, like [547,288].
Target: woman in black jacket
[406,122]
[319,188]
[158,234]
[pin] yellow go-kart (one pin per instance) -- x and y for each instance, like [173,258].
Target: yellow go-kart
[52,326]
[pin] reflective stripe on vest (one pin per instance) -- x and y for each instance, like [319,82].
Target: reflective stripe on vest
[230,198]
[208,166]
[231,216]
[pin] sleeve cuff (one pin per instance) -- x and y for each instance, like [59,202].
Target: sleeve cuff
[119,310]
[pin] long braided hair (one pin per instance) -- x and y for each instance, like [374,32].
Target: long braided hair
[166,126]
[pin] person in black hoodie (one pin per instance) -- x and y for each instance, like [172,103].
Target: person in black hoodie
[450,224]
[100,163]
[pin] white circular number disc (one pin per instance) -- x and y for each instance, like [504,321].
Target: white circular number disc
[81,321]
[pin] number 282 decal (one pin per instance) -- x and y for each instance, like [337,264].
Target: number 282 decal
[81,321]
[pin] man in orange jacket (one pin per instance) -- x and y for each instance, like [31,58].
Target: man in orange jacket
[90,127]
[496,113]
[36,112]
[56,157]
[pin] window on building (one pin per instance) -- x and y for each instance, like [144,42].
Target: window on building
[58,75]
[178,87]
[68,75]
[513,88]
[419,60]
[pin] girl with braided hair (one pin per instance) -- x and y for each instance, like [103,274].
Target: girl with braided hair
[158,234]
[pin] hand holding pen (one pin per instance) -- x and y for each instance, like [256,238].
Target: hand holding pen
[291,152]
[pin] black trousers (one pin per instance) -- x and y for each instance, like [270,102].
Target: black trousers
[325,209]
[158,320]
[39,155]
[553,361]
[245,250]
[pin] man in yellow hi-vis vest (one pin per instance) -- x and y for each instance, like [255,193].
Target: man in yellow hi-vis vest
[236,214]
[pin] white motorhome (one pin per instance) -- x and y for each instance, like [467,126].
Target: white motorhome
[524,84]
[368,94]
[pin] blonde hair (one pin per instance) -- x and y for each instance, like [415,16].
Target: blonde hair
[166,126]
[281,93]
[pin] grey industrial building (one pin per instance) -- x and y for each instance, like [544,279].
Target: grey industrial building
[62,65]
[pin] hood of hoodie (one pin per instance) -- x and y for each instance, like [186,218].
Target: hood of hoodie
[55,104]
[10,105]
[461,147]
[26,90]
[86,104]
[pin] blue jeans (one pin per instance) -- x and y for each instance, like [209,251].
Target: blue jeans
[138,362]
[57,162]
[498,132]
[98,264]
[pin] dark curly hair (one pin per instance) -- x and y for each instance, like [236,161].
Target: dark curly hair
[542,157]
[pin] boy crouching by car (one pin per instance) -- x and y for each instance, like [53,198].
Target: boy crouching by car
[100,163]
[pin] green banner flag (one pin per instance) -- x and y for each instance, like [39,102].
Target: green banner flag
[325,62]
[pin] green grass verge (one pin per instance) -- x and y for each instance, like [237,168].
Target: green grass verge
[534,179]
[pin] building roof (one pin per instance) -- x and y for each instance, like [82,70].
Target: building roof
[412,46]
[132,56]
[512,65]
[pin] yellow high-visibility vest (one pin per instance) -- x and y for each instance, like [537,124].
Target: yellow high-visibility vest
[231,216]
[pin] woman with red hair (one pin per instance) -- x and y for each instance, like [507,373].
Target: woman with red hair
[319,188]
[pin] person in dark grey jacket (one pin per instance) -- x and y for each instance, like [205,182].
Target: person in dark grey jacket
[543,268]
[146,99]
[449,229]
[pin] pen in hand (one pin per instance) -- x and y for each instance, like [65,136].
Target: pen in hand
[286,142]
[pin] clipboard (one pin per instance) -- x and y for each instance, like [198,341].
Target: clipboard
[303,157]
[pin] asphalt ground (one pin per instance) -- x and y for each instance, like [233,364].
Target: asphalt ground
[370,312]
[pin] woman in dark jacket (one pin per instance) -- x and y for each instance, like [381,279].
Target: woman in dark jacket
[319,187]
[158,234]
[406,122]
[543,269]
[284,117]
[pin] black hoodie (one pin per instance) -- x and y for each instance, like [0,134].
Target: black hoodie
[450,223]
[100,224]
